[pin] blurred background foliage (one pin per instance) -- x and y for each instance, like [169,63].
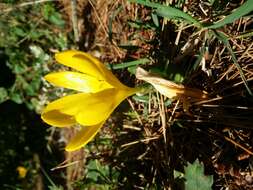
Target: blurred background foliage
[28,37]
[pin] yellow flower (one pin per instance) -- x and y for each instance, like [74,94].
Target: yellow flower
[21,171]
[100,93]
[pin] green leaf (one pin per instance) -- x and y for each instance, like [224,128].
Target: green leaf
[195,177]
[144,98]
[111,19]
[3,95]
[61,41]
[56,19]
[244,9]
[52,187]
[224,39]
[36,51]
[19,31]
[96,170]
[16,97]
[155,19]
[211,1]
[169,12]
[129,64]
[52,15]
[174,13]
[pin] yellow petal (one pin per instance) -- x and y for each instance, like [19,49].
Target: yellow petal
[82,62]
[61,112]
[22,171]
[85,135]
[77,81]
[101,105]
[87,64]
[87,109]
[58,119]
[68,105]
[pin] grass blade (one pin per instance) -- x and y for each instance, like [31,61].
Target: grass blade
[225,41]
[169,12]
[244,9]
[174,13]
[129,64]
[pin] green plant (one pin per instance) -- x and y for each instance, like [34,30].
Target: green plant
[195,177]
[25,43]
[173,13]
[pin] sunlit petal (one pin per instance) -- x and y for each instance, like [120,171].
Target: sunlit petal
[101,93]
[101,105]
[85,135]
[87,109]
[77,81]
[80,61]
[87,64]
[68,105]
[58,119]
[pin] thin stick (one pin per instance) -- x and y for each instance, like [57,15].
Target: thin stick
[74,20]
[238,145]
[136,113]
[139,141]
[65,165]
[26,4]
[104,27]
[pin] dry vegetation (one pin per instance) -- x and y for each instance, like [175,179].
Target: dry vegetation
[156,136]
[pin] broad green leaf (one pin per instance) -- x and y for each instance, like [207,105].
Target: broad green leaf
[3,94]
[100,175]
[211,2]
[96,170]
[19,31]
[196,179]
[16,97]
[244,9]
[52,15]
[56,19]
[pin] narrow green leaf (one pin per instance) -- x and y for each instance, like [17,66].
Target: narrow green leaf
[222,37]
[196,179]
[144,98]
[155,19]
[244,9]
[129,64]
[174,13]
[244,35]
[169,12]
[111,18]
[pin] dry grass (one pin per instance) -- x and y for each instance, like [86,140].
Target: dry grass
[158,139]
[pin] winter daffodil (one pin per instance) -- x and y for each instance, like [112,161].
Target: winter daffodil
[100,92]
[22,171]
